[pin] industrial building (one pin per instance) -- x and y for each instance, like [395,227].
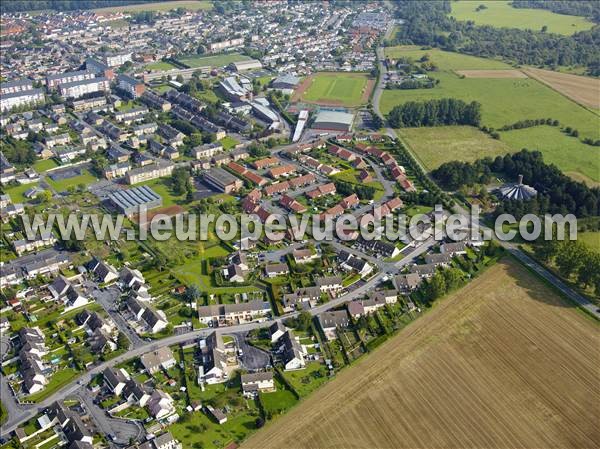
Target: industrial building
[333,120]
[129,201]
[222,180]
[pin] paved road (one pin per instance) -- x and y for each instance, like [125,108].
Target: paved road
[252,358]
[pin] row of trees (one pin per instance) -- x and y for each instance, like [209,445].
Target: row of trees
[364,192]
[557,193]
[428,23]
[65,5]
[445,111]
[574,260]
[19,152]
[529,123]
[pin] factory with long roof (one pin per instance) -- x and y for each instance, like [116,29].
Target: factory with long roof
[129,201]
[333,120]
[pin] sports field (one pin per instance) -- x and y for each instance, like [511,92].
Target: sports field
[335,89]
[501,14]
[436,145]
[212,61]
[503,363]
[193,5]
[506,101]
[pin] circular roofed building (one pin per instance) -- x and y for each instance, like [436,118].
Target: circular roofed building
[518,191]
[333,121]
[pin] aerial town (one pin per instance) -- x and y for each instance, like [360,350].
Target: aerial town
[256,108]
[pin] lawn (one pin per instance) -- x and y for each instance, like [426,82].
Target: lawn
[506,101]
[86,178]
[198,430]
[44,165]
[228,142]
[278,402]
[501,14]
[17,193]
[307,380]
[436,145]
[345,89]
[159,65]
[162,187]
[57,381]
[193,5]
[212,61]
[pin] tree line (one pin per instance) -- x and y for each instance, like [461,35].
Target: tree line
[67,5]
[557,193]
[428,23]
[445,111]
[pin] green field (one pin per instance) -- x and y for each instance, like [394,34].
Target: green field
[228,142]
[568,153]
[343,89]
[506,101]
[159,65]
[193,5]
[591,239]
[445,59]
[212,61]
[439,144]
[17,193]
[86,178]
[501,14]
[44,164]
[163,188]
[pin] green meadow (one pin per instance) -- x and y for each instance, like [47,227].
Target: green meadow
[347,89]
[212,61]
[501,14]
[505,101]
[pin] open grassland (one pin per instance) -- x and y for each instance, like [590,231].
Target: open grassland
[212,61]
[436,145]
[192,5]
[582,89]
[501,14]
[580,161]
[506,101]
[446,59]
[503,363]
[591,239]
[335,89]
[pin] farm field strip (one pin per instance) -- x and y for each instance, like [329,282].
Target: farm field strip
[491,73]
[504,362]
[581,89]
[193,5]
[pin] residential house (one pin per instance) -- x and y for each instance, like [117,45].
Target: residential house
[255,383]
[162,358]
[331,321]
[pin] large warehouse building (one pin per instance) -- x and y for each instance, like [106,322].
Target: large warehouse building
[333,121]
[223,180]
[129,201]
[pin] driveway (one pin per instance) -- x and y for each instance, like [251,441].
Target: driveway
[252,358]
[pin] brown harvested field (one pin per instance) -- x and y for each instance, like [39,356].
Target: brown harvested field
[582,89]
[491,73]
[503,363]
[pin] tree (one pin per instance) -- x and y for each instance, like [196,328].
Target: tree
[192,293]
[180,180]
[122,341]
[377,122]
[569,257]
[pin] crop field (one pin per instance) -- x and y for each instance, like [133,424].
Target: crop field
[591,239]
[501,15]
[335,89]
[491,73]
[212,61]
[503,363]
[582,89]
[506,101]
[436,145]
[193,5]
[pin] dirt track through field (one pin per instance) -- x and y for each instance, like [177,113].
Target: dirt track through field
[503,363]
[491,73]
[582,89]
